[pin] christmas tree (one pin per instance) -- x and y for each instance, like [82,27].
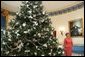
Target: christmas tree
[30,33]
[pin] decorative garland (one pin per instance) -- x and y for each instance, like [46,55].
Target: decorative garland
[66,10]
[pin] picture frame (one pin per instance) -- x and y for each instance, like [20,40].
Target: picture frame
[76,27]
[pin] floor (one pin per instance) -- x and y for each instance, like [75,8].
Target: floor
[75,54]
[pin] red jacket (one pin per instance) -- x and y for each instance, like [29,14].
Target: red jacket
[68,43]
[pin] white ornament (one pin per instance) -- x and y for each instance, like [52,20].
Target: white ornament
[63,52]
[43,12]
[4,31]
[34,27]
[24,17]
[25,31]
[13,20]
[34,15]
[20,27]
[59,52]
[1,49]
[24,24]
[34,40]
[8,33]
[42,55]
[35,23]
[14,55]
[35,6]
[54,42]
[3,43]
[29,11]
[20,45]
[17,23]
[27,5]
[1,29]
[26,1]
[30,17]
[39,34]
[47,29]
[10,28]
[34,34]
[54,54]
[45,45]
[36,47]
[49,53]
[17,31]
[17,13]
[42,20]
[28,30]
[27,50]
[9,39]
[7,52]
[27,43]
[18,34]
[35,53]
[60,46]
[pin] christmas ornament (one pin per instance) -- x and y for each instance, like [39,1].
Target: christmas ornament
[39,34]
[45,45]
[34,40]
[36,23]
[17,23]
[34,15]
[20,45]
[24,24]
[42,55]
[27,43]
[30,17]
[59,52]
[35,53]
[17,13]
[28,30]
[54,54]
[49,53]
[7,52]
[43,12]
[36,47]
[3,43]
[27,1]
[25,17]
[27,50]
[18,34]
[9,39]
[25,31]
[17,31]
[60,46]
[35,6]
[1,49]
[27,5]
[29,12]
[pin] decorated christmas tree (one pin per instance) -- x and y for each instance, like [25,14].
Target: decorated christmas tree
[30,33]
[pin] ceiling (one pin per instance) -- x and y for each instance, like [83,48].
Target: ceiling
[49,6]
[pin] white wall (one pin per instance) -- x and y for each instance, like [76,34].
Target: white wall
[60,22]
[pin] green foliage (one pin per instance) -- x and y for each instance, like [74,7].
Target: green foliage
[30,33]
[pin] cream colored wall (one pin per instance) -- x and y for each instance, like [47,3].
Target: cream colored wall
[60,22]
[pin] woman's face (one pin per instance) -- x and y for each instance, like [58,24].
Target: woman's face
[68,35]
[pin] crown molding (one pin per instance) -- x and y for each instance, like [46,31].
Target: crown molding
[67,10]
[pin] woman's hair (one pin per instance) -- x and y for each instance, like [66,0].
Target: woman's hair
[67,34]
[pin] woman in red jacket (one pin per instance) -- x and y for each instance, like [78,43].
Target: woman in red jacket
[68,45]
